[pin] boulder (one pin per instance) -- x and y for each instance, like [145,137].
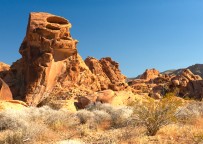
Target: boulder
[82,102]
[105,96]
[12,105]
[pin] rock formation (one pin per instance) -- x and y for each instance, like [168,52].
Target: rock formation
[189,85]
[149,74]
[186,84]
[196,69]
[5,93]
[4,68]
[107,72]
[46,44]
[50,61]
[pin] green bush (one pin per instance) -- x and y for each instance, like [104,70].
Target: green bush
[155,114]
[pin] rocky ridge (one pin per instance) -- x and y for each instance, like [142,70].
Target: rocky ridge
[185,84]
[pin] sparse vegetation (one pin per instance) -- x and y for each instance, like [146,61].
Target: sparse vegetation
[156,114]
[103,123]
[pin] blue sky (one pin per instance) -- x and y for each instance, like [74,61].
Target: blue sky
[139,34]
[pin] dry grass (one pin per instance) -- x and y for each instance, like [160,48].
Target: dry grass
[100,123]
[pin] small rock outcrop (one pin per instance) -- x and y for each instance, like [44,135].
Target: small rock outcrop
[150,74]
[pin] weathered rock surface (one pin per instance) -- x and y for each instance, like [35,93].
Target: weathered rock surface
[5,93]
[194,89]
[4,68]
[186,84]
[189,85]
[12,105]
[47,43]
[50,62]
[149,74]
[107,72]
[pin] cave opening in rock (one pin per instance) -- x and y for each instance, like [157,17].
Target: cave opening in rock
[51,27]
[57,20]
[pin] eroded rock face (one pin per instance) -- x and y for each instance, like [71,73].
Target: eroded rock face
[50,63]
[107,72]
[45,47]
[4,68]
[189,85]
[194,89]
[78,75]
[5,93]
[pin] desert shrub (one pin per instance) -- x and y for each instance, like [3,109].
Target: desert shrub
[96,119]
[13,120]
[61,119]
[33,122]
[85,116]
[55,119]
[101,116]
[190,112]
[14,137]
[119,115]
[155,114]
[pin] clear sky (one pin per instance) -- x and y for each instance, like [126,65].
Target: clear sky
[139,34]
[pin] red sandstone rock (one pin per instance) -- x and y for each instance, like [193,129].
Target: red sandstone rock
[107,72]
[189,85]
[5,93]
[4,68]
[50,62]
[45,47]
[97,69]
[150,74]
[111,69]
[105,96]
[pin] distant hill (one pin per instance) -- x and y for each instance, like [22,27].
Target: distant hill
[197,69]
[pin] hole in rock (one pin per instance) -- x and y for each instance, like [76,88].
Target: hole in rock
[52,27]
[58,20]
